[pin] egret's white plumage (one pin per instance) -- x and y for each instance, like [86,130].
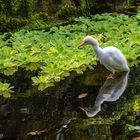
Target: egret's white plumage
[111,57]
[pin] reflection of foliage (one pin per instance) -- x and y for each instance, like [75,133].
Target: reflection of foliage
[133,131]
[134,106]
[85,123]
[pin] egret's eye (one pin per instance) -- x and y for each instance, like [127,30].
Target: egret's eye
[85,42]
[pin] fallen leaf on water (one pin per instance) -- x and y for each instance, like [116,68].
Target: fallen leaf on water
[136,138]
[32,133]
[83,95]
[37,132]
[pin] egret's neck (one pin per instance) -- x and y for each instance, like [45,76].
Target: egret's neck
[97,49]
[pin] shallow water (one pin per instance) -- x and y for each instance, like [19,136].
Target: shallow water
[92,106]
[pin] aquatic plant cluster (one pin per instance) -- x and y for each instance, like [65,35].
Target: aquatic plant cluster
[54,54]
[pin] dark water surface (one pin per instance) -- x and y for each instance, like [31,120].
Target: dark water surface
[92,106]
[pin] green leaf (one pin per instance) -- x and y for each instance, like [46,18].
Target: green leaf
[4,86]
[6,94]
[57,78]
[9,71]
[35,79]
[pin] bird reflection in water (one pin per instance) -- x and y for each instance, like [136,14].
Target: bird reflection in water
[111,90]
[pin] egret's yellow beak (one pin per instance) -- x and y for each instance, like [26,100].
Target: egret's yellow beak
[81,45]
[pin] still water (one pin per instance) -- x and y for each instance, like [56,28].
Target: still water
[92,106]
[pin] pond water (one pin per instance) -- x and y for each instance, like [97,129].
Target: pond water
[92,106]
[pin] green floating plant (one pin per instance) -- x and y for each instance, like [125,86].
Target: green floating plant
[54,54]
[5,90]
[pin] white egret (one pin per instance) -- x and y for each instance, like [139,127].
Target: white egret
[111,57]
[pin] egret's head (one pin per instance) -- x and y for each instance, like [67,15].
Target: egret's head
[91,111]
[89,40]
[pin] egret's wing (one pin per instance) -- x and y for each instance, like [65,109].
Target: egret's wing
[115,56]
[117,60]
